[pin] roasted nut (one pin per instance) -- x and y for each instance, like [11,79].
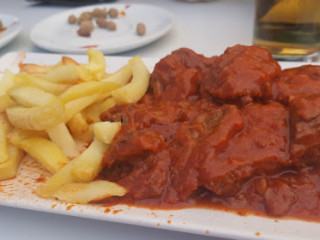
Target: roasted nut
[141,29]
[113,13]
[84,32]
[72,19]
[101,22]
[87,24]
[86,27]
[84,17]
[111,26]
[99,13]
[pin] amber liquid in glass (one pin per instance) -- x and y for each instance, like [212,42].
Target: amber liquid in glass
[290,29]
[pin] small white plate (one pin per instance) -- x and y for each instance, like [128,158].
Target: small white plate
[57,35]
[12,28]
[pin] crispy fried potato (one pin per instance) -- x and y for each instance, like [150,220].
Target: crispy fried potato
[23,79]
[106,131]
[75,106]
[96,65]
[78,125]
[60,135]
[134,90]
[86,89]
[36,69]
[88,164]
[93,112]
[68,174]
[5,102]
[8,168]
[29,96]
[67,74]
[4,129]
[36,118]
[15,135]
[88,192]
[121,77]
[7,82]
[65,60]
[44,151]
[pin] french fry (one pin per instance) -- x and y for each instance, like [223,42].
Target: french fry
[29,96]
[4,129]
[8,168]
[88,192]
[93,154]
[15,135]
[121,77]
[5,102]
[23,79]
[65,60]
[7,82]
[86,89]
[75,106]
[36,118]
[36,69]
[67,74]
[45,152]
[96,65]
[88,164]
[134,90]
[60,135]
[78,125]
[106,131]
[93,112]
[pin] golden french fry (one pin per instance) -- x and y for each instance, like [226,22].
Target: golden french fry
[65,60]
[93,154]
[29,96]
[44,151]
[4,129]
[134,90]
[5,102]
[75,106]
[7,82]
[88,164]
[15,135]
[60,135]
[35,69]
[88,192]
[78,125]
[68,74]
[106,131]
[36,118]
[86,89]
[23,79]
[8,169]
[96,65]
[121,76]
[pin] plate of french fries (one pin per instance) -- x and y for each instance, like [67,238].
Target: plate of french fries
[52,143]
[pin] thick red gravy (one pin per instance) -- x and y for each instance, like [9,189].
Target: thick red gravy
[232,131]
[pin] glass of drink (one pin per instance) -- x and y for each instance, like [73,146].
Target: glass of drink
[289,29]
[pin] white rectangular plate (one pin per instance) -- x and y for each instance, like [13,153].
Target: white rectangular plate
[18,192]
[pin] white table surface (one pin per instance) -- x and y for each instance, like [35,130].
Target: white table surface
[207,28]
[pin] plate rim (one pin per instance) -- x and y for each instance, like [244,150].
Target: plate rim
[145,40]
[10,35]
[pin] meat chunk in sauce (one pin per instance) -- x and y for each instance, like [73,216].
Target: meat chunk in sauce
[241,71]
[193,138]
[261,148]
[305,129]
[177,76]
[304,80]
